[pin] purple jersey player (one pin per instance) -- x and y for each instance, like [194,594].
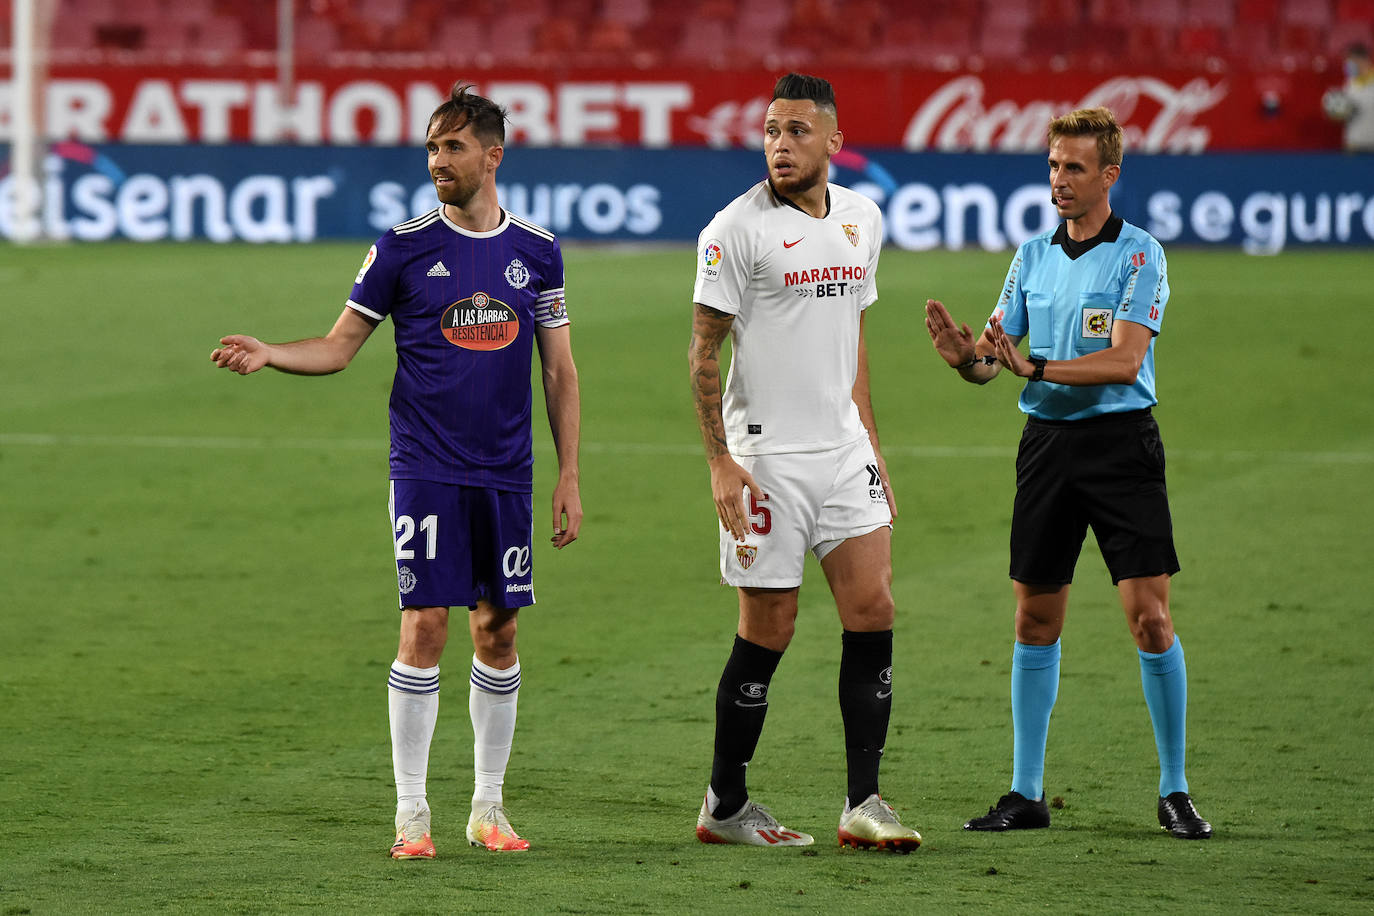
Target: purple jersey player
[471,290]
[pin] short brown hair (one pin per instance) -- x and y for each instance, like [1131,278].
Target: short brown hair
[1091,122]
[464,108]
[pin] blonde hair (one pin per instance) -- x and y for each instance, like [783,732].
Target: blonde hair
[1091,122]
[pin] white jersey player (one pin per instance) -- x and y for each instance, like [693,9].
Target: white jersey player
[796,286]
[787,271]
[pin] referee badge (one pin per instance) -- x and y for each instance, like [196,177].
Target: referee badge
[746,554]
[851,232]
[1097,323]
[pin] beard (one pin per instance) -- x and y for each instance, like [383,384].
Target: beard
[798,182]
[458,194]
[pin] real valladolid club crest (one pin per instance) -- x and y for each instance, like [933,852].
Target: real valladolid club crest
[851,232]
[516,274]
[746,553]
[405,580]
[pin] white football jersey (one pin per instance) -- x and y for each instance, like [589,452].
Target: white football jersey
[796,286]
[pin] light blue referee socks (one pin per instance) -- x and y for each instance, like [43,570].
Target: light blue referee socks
[1165,679]
[1034,688]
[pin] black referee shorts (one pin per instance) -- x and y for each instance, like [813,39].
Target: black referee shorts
[1107,472]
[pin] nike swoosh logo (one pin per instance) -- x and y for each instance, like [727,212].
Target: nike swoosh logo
[790,244]
[750,705]
[884,694]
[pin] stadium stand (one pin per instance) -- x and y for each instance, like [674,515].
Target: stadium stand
[941,34]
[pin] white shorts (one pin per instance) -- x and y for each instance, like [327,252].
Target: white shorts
[812,501]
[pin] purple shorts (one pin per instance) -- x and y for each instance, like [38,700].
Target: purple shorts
[458,545]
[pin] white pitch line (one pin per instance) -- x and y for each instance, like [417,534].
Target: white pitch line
[230,443]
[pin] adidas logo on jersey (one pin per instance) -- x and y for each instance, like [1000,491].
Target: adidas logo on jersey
[438,270]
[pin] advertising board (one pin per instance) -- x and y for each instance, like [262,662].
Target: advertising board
[1265,202]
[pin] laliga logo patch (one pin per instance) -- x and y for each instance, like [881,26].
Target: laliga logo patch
[711,255]
[367,262]
[1097,323]
[480,323]
[851,232]
[405,580]
[516,274]
[746,554]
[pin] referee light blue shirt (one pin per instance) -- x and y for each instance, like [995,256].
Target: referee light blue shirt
[1064,296]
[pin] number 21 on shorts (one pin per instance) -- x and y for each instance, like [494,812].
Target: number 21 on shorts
[405,531]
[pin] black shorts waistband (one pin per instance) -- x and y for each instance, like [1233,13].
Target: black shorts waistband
[1125,416]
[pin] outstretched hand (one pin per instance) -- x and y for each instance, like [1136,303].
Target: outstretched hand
[954,342]
[240,353]
[1006,351]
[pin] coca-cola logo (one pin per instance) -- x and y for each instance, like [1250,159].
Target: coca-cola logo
[1155,116]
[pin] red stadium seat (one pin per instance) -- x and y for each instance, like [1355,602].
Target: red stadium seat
[1002,41]
[1343,34]
[1299,44]
[629,14]
[1310,13]
[1059,13]
[1251,40]
[1167,14]
[316,36]
[1217,13]
[1150,45]
[1360,11]
[164,35]
[1000,16]
[1266,11]
[1200,40]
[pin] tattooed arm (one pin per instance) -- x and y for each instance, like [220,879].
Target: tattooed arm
[728,479]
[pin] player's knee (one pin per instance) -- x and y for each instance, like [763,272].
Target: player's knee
[772,634]
[493,632]
[424,631]
[1153,630]
[877,611]
[1037,629]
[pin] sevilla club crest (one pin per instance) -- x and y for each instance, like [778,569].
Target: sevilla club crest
[745,554]
[851,232]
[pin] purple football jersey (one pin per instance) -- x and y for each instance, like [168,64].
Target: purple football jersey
[464,305]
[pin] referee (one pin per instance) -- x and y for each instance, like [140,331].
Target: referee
[1090,295]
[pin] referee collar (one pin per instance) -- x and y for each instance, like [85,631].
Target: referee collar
[777,196]
[1110,232]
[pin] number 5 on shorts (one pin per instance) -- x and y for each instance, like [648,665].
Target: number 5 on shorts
[764,524]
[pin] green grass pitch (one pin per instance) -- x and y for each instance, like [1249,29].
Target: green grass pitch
[198,614]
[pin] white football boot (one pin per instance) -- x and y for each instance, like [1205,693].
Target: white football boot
[752,826]
[874,825]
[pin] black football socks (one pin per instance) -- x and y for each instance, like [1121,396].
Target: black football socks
[741,705]
[865,706]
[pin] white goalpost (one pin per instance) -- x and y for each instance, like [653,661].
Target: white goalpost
[31,34]
[25,186]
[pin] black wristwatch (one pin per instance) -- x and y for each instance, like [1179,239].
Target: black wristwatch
[1039,373]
